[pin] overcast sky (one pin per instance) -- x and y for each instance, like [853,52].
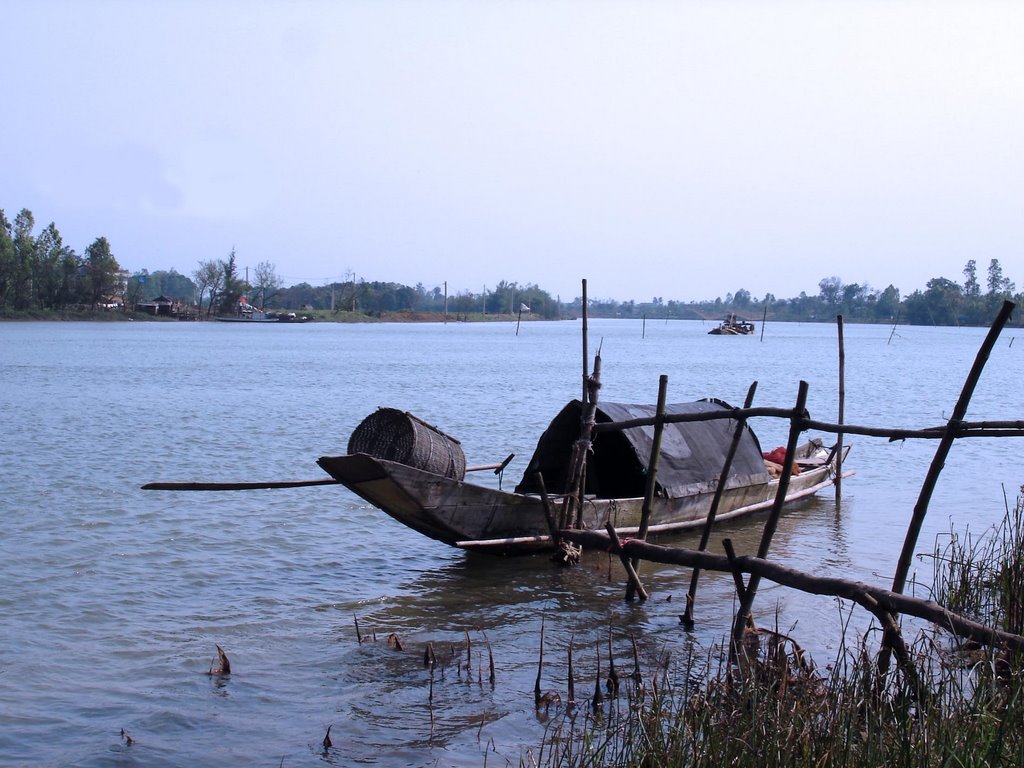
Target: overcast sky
[675,149]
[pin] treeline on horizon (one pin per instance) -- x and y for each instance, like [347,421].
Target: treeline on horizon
[40,272]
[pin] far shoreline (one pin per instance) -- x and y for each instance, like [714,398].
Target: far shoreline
[315,316]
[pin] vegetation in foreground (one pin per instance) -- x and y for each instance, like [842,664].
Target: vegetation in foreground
[775,708]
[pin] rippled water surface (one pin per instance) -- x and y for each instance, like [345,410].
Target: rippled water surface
[112,599]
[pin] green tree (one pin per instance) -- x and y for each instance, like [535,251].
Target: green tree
[853,299]
[175,285]
[939,304]
[265,282]
[742,299]
[71,281]
[7,260]
[887,306]
[138,284]
[167,283]
[502,299]
[973,307]
[997,284]
[407,298]
[101,269]
[999,288]
[209,279]
[971,286]
[54,286]
[831,289]
[24,259]
[233,285]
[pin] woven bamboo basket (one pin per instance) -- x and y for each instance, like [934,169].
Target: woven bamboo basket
[395,435]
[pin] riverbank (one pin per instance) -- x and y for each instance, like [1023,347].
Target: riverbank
[318,316]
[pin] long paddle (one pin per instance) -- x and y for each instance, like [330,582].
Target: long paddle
[282,483]
[234,486]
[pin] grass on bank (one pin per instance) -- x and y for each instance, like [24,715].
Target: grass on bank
[315,315]
[776,708]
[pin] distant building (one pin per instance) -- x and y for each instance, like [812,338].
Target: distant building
[160,306]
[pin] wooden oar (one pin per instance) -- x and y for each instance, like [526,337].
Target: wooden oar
[234,486]
[282,483]
[496,467]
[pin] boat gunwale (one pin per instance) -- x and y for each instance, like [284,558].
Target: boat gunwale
[435,528]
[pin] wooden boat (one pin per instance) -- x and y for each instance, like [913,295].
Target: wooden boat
[265,317]
[251,317]
[732,325]
[429,493]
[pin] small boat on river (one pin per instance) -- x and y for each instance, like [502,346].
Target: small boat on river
[732,325]
[258,316]
[416,474]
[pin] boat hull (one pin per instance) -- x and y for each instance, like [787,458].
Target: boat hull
[475,517]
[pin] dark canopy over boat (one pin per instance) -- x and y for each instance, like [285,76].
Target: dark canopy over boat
[691,460]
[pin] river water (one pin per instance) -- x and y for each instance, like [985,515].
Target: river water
[112,599]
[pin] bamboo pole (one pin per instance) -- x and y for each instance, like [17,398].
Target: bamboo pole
[795,428]
[705,536]
[577,478]
[548,514]
[585,442]
[833,586]
[186,486]
[894,324]
[842,405]
[652,474]
[737,573]
[952,431]
[1014,428]
[586,353]
[540,665]
[631,574]
[651,480]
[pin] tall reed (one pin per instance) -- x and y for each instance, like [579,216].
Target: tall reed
[775,708]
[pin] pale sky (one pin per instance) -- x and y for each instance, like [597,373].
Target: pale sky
[680,149]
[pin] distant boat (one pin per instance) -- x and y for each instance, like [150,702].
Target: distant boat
[249,317]
[733,326]
[256,316]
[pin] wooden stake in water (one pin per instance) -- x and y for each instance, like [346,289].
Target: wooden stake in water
[705,536]
[842,402]
[586,353]
[540,666]
[613,675]
[572,683]
[796,426]
[651,480]
[894,324]
[945,443]
[598,701]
